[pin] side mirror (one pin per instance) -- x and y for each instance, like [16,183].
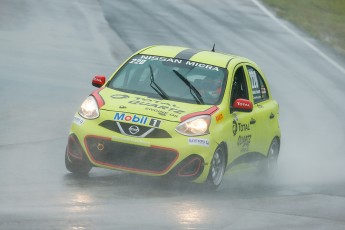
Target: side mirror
[98,81]
[242,105]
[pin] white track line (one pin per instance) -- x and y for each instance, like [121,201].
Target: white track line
[318,51]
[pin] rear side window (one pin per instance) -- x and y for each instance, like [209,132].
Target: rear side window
[259,88]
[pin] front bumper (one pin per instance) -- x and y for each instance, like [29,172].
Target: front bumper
[177,156]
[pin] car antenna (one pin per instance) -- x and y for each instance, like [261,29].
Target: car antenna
[214,45]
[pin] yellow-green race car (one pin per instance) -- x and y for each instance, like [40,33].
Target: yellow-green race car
[177,112]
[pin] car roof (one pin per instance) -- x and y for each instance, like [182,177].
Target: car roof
[203,56]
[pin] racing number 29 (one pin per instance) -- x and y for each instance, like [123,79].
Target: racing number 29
[137,61]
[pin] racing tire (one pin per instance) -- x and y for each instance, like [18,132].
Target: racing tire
[217,168]
[81,167]
[269,166]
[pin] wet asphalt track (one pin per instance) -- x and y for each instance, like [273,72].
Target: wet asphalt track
[50,50]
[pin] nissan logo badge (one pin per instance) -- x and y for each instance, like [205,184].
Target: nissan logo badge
[134,129]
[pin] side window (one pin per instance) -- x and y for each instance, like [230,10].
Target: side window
[260,92]
[239,86]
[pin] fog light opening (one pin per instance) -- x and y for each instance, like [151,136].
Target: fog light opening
[191,168]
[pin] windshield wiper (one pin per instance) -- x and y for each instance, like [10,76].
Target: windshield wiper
[193,91]
[156,88]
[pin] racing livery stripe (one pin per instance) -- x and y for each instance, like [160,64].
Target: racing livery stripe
[227,64]
[209,111]
[186,54]
[99,99]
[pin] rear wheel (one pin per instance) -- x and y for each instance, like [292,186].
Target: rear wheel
[80,167]
[217,168]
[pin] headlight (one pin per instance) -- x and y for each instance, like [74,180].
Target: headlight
[195,126]
[89,108]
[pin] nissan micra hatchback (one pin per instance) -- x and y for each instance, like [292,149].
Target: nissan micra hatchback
[177,112]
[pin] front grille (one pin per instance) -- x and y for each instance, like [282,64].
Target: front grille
[143,131]
[130,157]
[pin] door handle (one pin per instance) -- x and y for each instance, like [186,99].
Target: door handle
[271,116]
[252,121]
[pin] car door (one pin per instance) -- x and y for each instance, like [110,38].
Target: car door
[241,133]
[265,110]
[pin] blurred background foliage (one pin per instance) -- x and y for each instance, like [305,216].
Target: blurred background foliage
[322,19]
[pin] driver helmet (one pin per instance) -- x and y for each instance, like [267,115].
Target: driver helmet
[212,86]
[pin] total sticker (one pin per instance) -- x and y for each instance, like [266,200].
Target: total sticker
[199,141]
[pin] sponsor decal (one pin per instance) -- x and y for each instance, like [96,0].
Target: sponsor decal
[131,140]
[160,112]
[243,142]
[239,127]
[199,141]
[78,120]
[98,80]
[134,119]
[156,105]
[219,117]
[201,65]
[234,127]
[137,119]
[242,104]
[143,59]
[243,127]
[119,96]
[155,122]
[162,59]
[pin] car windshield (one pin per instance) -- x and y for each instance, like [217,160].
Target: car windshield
[171,79]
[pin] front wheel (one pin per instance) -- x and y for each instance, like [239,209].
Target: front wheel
[217,168]
[80,167]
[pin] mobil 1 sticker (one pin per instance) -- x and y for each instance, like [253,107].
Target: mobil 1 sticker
[138,119]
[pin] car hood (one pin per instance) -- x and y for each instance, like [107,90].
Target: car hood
[118,101]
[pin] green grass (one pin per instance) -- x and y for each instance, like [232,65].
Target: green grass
[322,19]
